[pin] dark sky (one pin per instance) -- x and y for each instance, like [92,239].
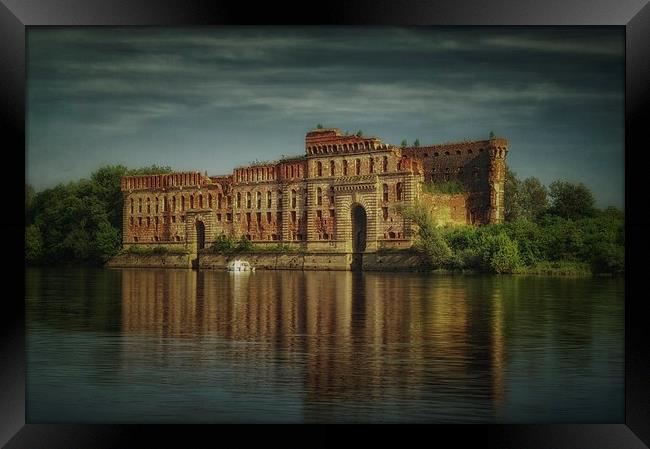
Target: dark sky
[211,99]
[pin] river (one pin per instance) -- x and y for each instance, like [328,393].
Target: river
[149,345]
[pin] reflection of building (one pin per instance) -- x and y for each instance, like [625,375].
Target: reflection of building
[340,196]
[363,337]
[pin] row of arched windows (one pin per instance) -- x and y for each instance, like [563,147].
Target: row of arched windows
[498,152]
[258,200]
[166,203]
[320,167]
[399,191]
[158,181]
[146,221]
[255,174]
[346,147]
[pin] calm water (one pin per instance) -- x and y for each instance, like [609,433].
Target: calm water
[146,345]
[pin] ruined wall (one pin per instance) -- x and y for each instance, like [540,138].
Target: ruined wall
[447,209]
[478,165]
[307,201]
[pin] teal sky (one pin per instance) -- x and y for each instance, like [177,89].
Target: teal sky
[211,99]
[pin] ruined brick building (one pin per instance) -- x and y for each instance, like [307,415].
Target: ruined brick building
[341,196]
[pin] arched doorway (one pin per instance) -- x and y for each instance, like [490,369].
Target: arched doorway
[200,235]
[359,222]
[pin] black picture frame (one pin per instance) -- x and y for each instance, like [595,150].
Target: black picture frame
[634,15]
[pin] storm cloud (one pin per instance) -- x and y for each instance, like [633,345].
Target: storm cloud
[214,98]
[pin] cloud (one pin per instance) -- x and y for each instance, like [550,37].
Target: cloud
[117,83]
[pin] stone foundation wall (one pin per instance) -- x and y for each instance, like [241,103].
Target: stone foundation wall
[398,261]
[151,261]
[313,261]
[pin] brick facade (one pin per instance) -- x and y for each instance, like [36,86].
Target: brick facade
[308,201]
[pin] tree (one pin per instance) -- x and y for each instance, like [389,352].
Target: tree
[511,195]
[430,239]
[404,144]
[359,133]
[29,204]
[570,200]
[532,198]
[319,126]
[492,136]
[107,241]
[525,199]
[33,245]
[80,221]
[416,144]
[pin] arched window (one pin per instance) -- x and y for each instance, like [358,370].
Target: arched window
[279,200]
[398,191]
[293,198]
[192,201]
[345,167]
[148,205]
[210,200]
[385,192]
[219,199]
[156,204]
[331,168]
[319,196]
[248,200]
[357,165]
[385,164]
[173,204]
[268,199]
[372,165]
[131,205]
[140,205]
[259,200]
[238,199]
[200,201]
[319,168]
[292,171]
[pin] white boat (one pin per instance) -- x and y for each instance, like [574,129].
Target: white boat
[240,265]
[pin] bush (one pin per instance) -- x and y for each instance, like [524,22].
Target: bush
[608,258]
[33,245]
[499,254]
[228,245]
[448,187]
[223,244]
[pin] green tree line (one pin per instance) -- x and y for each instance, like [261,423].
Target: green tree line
[554,229]
[78,222]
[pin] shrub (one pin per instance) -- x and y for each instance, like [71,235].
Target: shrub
[608,258]
[499,254]
[447,187]
[223,244]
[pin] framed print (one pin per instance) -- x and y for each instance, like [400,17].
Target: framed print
[387,213]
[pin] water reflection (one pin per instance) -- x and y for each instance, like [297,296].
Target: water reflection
[342,346]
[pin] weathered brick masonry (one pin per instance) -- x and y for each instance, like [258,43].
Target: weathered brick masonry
[340,197]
